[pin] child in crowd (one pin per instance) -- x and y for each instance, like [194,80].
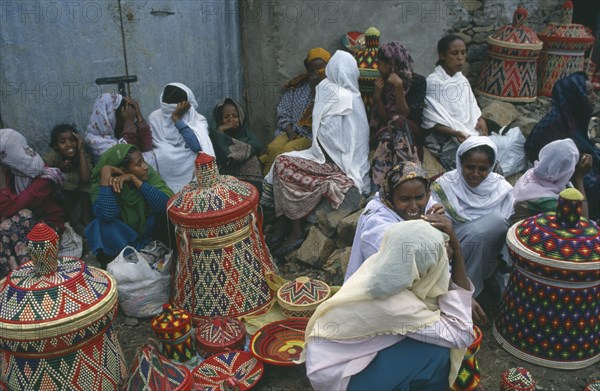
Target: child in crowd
[69,155]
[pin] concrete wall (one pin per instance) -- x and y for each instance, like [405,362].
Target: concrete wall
[277,35]
[52,51]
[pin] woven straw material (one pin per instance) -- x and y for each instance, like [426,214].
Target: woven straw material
[301,297]
[469,375]
[173,328]
[517,379]
[219,334]
[235,370]
[152,371]
[594,386]
[280,343]
[222,254]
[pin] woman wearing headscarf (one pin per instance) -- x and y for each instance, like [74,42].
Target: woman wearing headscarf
[479,202]
[573,100]
[179,132]
[399,98]
[402,321]
[336,162]
[235,144]
[295,108]
[27,196]
[118,120]
[538,189]
[129,198]
[405,195]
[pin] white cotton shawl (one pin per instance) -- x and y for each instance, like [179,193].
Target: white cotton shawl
[100,134]
[450,101]
[466,203]
[395,291]
[551,174]
[24,163]
[175,161]
[339,122]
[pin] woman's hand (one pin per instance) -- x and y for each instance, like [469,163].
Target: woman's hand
[136,106]
[461,137]
[289,132]
[584,165]
[441,222]
[436,209]
[107,173]
[478,313]
[117,182]
[395,80]
[482,127]
[180,110]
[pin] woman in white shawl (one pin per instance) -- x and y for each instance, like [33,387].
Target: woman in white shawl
[118,120]
[451,114]
[479,203]
[337,159]
[537,190]
[403,320]
[179,132]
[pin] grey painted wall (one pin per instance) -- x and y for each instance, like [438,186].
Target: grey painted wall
[52,51]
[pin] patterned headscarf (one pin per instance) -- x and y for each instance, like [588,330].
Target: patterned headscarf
[402,62]
[397,175]
[317,53]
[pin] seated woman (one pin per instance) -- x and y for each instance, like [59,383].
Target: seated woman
[399,98]
[405,196]
[573,99]
[27,197]
[118,120]
[295,108]
[69,155]
[236,147]
[401,322]
[129,199]
[479,203]
[337,161]
[538,189]
[179,132]
[451,113]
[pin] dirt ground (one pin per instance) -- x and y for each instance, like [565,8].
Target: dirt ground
[492,358]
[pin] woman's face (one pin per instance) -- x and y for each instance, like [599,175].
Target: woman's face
[138,167]
[385,68]
[475,168]
[230,116]
[66,144]
[455,57]
[410,199]
[589,87]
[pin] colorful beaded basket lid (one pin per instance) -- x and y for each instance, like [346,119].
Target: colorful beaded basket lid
[56,319]
[281,342]
[549,312]
[517,379]
[593,386]
[173,328]
[510,71]
[301,297]
[153,372]
[354,41]
[219,334]
[565,44]
[230,371]
[222,255]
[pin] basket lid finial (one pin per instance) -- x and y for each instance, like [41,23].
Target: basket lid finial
[207,173]
[43,248]
[568,209]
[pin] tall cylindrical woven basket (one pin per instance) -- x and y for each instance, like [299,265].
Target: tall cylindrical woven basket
[222,257]
[56,317]
[509,72]
[549,312]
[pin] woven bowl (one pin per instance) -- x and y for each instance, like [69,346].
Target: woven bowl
[280,343]
[301,297]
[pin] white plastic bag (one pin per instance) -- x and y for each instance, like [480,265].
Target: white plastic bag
[71,244]
[143,281]
[511,151]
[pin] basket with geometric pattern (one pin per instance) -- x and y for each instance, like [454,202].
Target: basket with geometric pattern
[219,334]
[222,255]
[517,379]
[230,371]
[173,328]
[56,322]
[301,297]
[549,312]
[468,375]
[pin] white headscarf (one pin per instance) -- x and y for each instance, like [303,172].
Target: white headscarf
[339,122]
[450,102]
[551,174]
[465,203]
[395,291]
[174,159]
[24,163]
[100,134]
